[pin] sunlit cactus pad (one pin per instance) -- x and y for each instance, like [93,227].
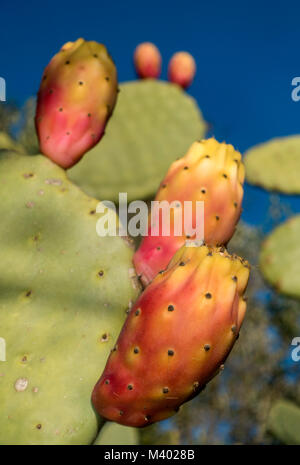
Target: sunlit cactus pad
[154,123]
[284,422]
[275,165]
[280,257]
[63,296]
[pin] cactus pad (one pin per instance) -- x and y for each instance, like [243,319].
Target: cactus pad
[280,257]
[114,434]
[275,165]
[154,123]
[6,142]
[63,295]
[284,422]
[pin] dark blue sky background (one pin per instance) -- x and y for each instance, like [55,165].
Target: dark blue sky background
[247,53]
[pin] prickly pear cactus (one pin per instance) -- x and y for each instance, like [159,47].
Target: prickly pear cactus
[147,60]
[275,165]
[280,257]
[6,142]
[197,307]
[27,135]
[63,296]
[284,422]
[154,123]
[210,172]
[114,434]
[76,98]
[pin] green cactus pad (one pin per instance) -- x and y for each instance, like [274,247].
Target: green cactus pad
[7,143]
[63,295]
[154,123]
[275,165]
[114,434]
[280,257]
[284,422]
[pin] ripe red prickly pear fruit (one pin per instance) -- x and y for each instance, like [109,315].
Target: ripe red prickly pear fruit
[176,337]
[211,172]
[147,60]
[182,69]
[76,98]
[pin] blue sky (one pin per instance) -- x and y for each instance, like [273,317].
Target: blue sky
[247,54]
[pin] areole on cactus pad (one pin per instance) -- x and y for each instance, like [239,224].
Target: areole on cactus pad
[212,172]
[197,308]
[77,95]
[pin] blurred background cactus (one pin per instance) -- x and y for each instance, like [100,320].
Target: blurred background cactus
[284,422]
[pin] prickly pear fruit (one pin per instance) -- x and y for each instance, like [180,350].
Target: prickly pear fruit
[212,172]
[77,95]
[176,337]
[147,60]
[182,69]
